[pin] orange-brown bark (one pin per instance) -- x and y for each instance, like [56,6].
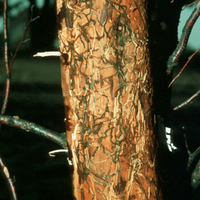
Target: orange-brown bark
[107,89]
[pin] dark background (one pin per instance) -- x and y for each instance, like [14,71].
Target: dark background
[36,96]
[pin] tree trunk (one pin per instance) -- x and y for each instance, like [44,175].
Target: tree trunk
[107,89]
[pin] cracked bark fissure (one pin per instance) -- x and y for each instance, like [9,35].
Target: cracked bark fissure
[107,90]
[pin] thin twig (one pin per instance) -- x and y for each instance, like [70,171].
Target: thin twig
[34,128]
[9,180]
[23,37]
[187,101]
[6,59]
[190,5]
[5,33]
[174,58]
[47,54]
[52,153]
[8,65]
[186,144]
[192,157]
[189,59]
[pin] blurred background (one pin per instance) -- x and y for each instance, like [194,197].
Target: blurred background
[36,96]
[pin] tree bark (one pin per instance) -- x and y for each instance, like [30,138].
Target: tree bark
[107,89]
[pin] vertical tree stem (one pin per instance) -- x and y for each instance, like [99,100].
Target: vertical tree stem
[107,89]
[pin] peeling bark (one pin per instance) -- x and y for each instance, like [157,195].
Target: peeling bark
[107,90]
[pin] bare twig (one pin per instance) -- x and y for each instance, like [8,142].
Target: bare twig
[186,144]
[47,54]
[8,178]
[6,60]
[34,128]
[23,37]
[192,157]
[190,4]
[5,33]
[187,101]
[8,65]
[6,57]
[174,58]
[52,153]
[189,59]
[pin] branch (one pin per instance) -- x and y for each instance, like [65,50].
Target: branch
[190,4]
[34,128]
[192,158]
[8,65]
[189,59]
[5,34]
[186,144]
[23,37]
[9,180]
[174,58]
[47,54]
[187,101]
[6,61]
[52,153]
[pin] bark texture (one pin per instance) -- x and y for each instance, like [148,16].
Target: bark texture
[107,89]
